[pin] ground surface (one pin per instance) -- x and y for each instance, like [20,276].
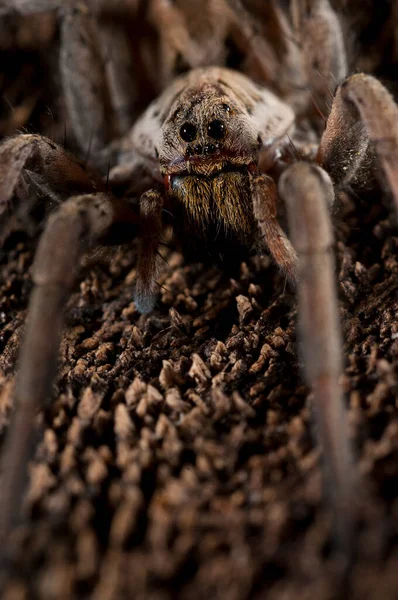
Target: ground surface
[178,458]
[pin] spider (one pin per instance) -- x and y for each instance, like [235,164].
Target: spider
[210,158]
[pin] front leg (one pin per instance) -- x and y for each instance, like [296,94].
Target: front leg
[265,197]
[31,158]
[151,206]
[79,224]
[308,193]
[363,121]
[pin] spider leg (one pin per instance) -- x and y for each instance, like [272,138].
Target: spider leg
[40,155]
[80,222]
[116,55]
[320,38]
[175,39]
[84,80]
[151,205]
[123,58]
[264,195]
[38,159]
[307,191]
[244,29]
[363,120]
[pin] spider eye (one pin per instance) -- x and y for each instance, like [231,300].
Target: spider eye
[216,129]
[188,132]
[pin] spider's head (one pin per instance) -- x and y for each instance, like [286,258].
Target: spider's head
[208,145]
[206,132]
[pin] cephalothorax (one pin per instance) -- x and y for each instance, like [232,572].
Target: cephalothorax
[210,158]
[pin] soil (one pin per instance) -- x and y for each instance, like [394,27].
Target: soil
[178,457]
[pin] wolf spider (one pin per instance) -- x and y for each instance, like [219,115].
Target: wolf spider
[214,151]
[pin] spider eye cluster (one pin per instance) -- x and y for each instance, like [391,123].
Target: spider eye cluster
[215,129]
